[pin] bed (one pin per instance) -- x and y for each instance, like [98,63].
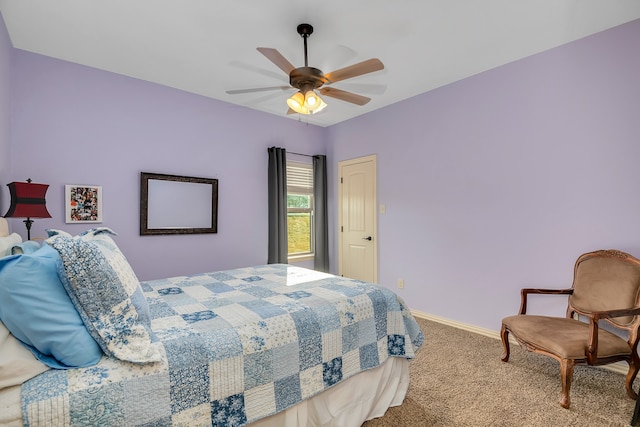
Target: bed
[270,345]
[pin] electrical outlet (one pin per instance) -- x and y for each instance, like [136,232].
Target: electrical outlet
[400,283]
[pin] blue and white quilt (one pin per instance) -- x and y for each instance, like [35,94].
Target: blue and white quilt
[237,346]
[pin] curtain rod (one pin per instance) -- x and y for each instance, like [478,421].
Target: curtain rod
[300,154]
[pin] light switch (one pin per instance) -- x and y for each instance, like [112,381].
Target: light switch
[383,209]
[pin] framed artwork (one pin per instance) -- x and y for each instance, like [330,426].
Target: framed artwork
[83,203]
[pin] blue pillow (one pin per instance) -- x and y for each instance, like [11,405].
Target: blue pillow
[35,307]
[107,294]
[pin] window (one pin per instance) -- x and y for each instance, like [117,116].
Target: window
[300,209]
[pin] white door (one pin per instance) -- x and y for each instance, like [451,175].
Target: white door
[357,219]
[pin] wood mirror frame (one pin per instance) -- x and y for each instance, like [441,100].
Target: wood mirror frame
[163,199]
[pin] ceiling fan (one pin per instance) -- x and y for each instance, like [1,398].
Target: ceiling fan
[308,79]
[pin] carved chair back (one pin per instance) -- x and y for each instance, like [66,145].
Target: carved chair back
[607,280]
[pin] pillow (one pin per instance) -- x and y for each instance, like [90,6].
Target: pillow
[100,235]
[35,307]
[17,364]
[4,227]
[53,232]
[107,294]
[28,247]
[6,243]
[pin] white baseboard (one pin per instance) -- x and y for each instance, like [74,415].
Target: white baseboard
[618,367]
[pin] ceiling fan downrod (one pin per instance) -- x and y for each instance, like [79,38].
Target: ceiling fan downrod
[306,78]
[305,30]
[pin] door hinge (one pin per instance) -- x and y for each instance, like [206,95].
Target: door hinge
[341,180]
[342,229]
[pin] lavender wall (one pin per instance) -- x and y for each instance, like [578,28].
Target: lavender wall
[5,112]
[502,180]
[77,125]
[493,183]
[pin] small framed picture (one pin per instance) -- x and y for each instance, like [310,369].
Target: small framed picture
[83,203]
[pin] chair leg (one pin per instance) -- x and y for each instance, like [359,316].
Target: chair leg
[566,376]
[504,335]
[631,376]
[636,413]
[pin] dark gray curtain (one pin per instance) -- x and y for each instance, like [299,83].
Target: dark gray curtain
[321,250]
[277,181]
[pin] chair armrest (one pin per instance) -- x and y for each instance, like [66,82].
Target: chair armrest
[594,317]
[597,315]
[524,292]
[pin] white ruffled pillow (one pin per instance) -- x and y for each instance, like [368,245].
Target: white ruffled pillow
[17,364]
[6,243]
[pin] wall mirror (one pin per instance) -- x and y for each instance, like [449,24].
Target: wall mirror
[175,204]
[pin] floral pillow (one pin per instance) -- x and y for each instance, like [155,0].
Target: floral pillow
[106,293]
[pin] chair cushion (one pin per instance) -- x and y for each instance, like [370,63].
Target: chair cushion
[563,337]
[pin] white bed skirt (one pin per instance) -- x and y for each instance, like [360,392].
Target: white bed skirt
[348,404]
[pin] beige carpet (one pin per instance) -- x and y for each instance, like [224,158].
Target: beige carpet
[457,379]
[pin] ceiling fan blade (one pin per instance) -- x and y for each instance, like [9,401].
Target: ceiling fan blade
[291,111]
[364,67]
[276,57]
[344,95]
[258,89]
[272,74]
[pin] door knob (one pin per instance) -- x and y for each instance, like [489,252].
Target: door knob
[369,238]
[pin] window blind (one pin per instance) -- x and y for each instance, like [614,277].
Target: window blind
[299,178]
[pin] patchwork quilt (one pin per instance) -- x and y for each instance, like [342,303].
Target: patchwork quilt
[237,346]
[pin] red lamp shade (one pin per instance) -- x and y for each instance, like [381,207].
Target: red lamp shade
[27,200]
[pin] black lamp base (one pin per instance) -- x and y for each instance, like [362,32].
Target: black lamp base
[27,223]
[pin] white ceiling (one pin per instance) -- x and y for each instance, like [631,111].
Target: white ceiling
[208,47]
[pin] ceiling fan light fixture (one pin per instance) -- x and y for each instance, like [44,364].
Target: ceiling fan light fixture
[320,107]
[306,103]
[296,102]
[311,99]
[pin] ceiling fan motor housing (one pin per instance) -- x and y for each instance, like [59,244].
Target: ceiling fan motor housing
[307,78]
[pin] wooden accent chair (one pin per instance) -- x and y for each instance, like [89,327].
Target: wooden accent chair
[606,287]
